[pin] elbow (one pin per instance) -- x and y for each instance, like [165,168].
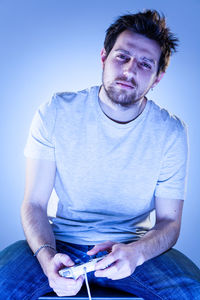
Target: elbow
[175,229]
[170,229]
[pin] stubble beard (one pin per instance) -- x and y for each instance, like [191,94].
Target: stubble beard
[119,96]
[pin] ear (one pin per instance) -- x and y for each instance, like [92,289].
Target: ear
[103,56]
[158,79]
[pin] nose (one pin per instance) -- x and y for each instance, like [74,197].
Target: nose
[130,68]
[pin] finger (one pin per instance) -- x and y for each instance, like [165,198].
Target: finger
[78,283]
[58,281]
[115,271]
[105,262]
[66,285]
[118,270]
[62,287]
[69,289]
[93,251]
[100,247]
[108,272]
[80,280]
[70,282]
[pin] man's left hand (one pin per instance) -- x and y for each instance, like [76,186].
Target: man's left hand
[120,262]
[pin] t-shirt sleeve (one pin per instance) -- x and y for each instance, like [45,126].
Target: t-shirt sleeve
[173,174]
[40,142]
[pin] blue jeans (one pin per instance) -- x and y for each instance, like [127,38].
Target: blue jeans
[168,276]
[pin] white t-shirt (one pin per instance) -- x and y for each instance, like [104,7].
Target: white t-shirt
[108,174]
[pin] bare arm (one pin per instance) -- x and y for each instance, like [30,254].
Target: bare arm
[126,257]
[40,176]
[166,231]
[39,184]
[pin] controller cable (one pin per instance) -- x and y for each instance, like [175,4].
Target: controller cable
[87,284]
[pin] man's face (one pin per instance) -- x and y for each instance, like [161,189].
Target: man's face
[130,69]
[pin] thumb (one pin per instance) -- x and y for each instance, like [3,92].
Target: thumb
[100,247]
[61,259]
[93,251]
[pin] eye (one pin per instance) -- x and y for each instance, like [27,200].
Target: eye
[145,65]
[122,57]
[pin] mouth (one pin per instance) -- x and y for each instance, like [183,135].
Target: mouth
[124,84]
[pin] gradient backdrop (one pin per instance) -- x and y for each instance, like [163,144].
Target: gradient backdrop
[49,46]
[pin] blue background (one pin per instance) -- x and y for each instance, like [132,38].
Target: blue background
[49,46]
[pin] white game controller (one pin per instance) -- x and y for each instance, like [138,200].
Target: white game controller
[78,270]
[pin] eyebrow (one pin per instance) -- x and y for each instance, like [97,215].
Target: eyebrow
[123,50]
[143,58]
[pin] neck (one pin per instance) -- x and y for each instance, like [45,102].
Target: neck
[119,113]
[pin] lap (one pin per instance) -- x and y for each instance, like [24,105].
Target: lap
[168,276]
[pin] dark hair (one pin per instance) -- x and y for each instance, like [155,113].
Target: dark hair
[150,24]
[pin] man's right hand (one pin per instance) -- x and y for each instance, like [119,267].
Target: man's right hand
[40,178]
[62,286]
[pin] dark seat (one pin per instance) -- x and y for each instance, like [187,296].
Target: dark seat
[97,293]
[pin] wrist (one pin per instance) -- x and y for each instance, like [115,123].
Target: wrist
[43,247]
[44,257]
[138,250]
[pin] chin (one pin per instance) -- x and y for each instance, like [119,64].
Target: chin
[121,97]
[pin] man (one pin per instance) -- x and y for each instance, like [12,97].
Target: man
[113,156]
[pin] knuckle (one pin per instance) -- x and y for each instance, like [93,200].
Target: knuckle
[57,257]
[59,294]
[115,246]
[52,284]
[113,256]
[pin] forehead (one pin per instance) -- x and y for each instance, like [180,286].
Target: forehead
[131,41]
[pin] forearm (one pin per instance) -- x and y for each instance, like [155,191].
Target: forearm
[158,240]
[38,231]
[124,258]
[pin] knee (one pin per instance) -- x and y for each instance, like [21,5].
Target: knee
[13,251]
